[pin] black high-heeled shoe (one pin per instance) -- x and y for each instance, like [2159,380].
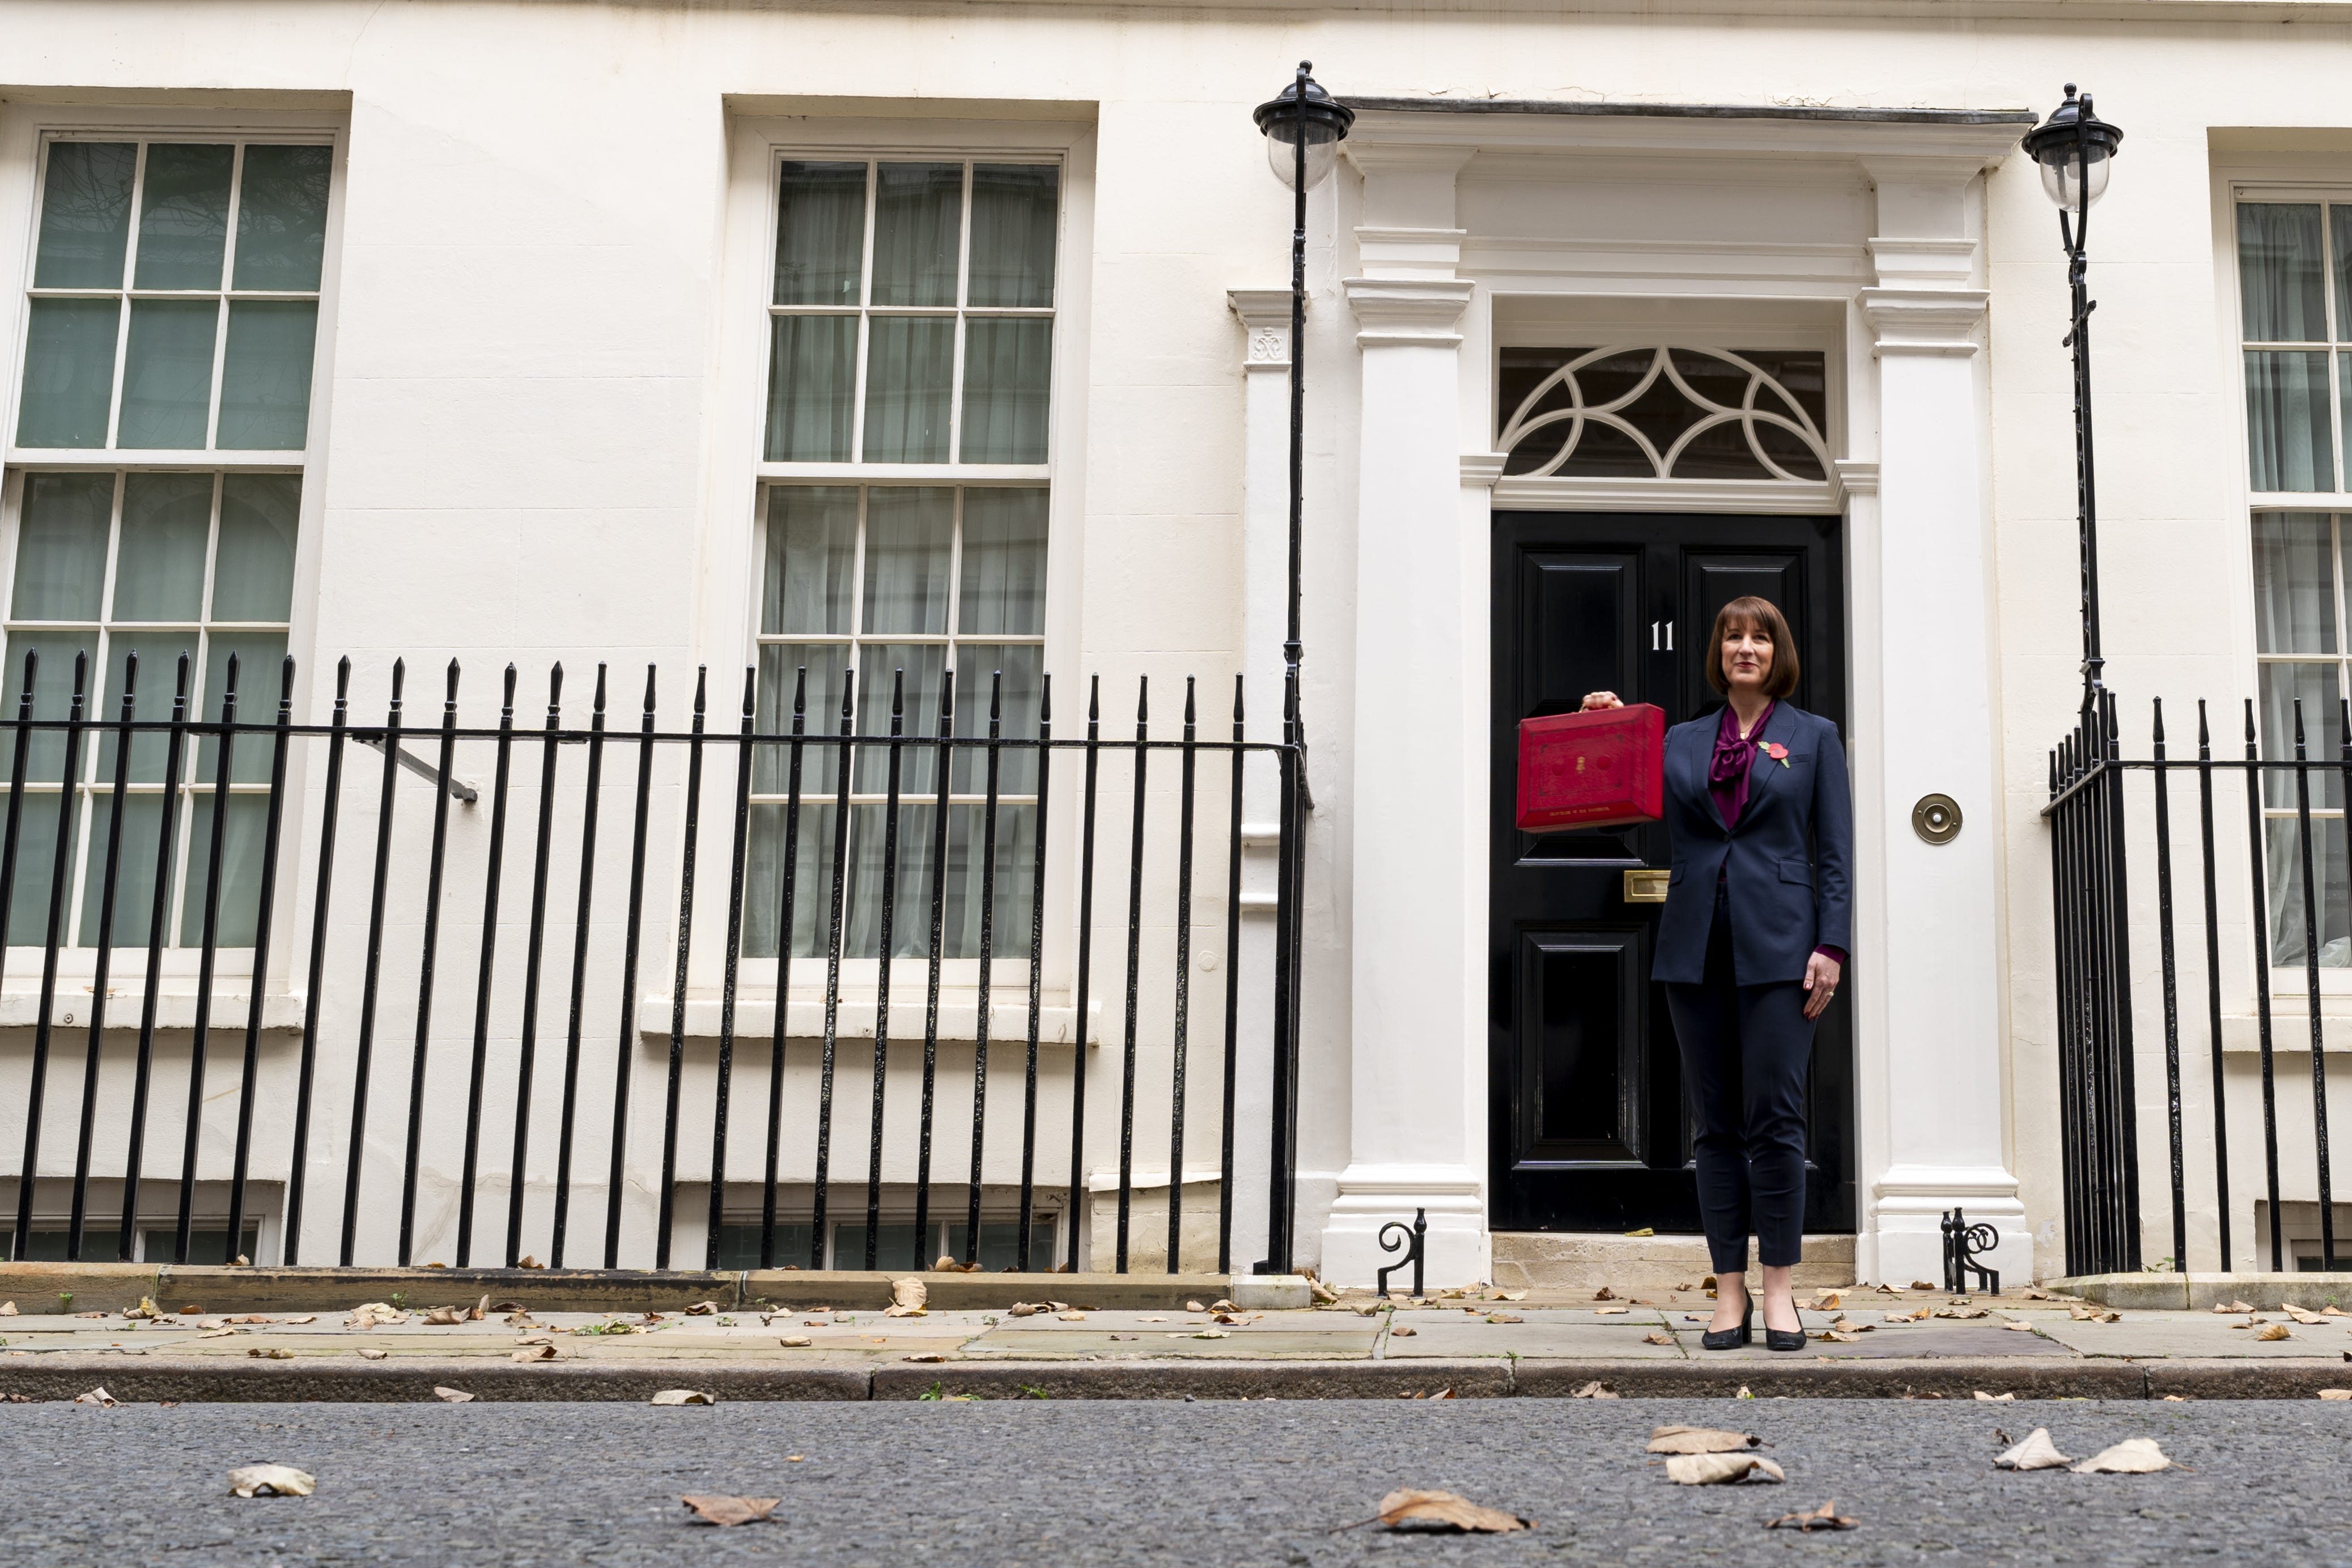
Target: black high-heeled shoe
[1784,1339]
[1732,1339]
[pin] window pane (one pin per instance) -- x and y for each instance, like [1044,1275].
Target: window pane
[266,374]
[2341,223]
[53,685]
[240,897]
[167,372]
[2286,421]
[977,666]
[2284,852]
[2315,686]
[780,663]
[895,1247]
[738,1244]
[1004,562]
[1000,1243]
[1007,367]
[167,522]
[61,547]
[909,367]
[68,372]
[910,921]
[159,653]
[820,234]
[878,669]
[812,553]
[909,543]
[1012,234]
[260,675]
[2294,584]
[917,210]
[812,883]
[2278,272]
[811,388]
[135,874]
[85,214]
[1016,847]
[254,576]
[281,218]
[184,216]
[36,852]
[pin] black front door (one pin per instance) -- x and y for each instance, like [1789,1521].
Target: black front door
[1588,1124]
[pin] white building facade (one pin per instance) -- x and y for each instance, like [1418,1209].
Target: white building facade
[925,339]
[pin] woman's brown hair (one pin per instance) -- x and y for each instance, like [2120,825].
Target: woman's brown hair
[1754,614]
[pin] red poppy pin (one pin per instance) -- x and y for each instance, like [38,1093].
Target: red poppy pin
[1776,751]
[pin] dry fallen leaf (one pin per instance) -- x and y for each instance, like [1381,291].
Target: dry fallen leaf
[2002,1399]
[1071,1317]
[1321,1291]
[1699,1441]
[1443,1510]
[2034,1294]
[702,1309]
[1716,1469]
[2132,1456]
[541,1352]
[2084,1314]
[1218,1305]
[2274,1332]
[1825,1517]
[452,1395]
[442,1317]
[1505,1318]
[935,1356]
[1658,1338]
[271,1355]
[373,1355]
[1204,1333]
[1403,1330]
[217,1334]
[1921,1285]
[2227,1307]
[8,1309]
[1959,1311]
[682,1396]
[1597,1391]
[1839,1336]
[2019,1326]
[97,1396]
[731,1510]
[2335,1394]
[1510,1295]
[2299,1315]
[1847,1325]
[271,1480]
[1610,1311]
[1189,1306]
[1917,1315]
[795,1342]
[1604,1294]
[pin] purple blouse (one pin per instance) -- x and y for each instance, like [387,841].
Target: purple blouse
[1727,779]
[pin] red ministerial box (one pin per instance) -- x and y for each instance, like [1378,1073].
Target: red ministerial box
[1594,770]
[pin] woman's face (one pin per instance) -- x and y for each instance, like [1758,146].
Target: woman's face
[1746,657]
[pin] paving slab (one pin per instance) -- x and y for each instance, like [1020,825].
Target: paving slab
[2145,1336]
[1611,1339]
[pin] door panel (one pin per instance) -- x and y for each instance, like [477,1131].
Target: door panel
[1588,1127]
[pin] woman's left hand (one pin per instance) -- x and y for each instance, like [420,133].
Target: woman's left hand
[1820,984]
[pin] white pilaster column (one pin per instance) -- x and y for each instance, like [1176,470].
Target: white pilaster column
[1931,962]
[1417,805]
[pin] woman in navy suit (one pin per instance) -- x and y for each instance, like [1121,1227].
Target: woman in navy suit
[1750,949]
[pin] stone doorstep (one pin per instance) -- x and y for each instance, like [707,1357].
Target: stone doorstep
[59,1376]
[1583,1261]
[113,1287]
[2203,1292]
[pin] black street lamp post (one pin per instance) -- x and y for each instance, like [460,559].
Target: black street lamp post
[1304,126]
[2076,150]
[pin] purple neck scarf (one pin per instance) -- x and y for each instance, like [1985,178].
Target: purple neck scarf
[1726,771]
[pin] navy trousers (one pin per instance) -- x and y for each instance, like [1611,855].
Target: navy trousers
[1746,1051]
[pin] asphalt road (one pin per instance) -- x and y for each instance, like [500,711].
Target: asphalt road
[1197,1485]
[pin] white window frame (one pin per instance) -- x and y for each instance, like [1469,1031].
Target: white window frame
[2230,192]
[736,544]
[26,130]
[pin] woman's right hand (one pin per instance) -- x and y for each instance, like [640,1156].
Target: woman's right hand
[1595,701]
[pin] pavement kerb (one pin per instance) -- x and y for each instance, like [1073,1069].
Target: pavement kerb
[61,1376]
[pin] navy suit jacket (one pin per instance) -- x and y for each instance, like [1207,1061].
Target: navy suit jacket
[1789,863]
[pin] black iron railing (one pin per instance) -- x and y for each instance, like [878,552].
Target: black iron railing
[2103,824]
[202,862]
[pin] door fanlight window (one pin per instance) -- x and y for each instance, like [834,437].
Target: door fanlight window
[1661,412]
